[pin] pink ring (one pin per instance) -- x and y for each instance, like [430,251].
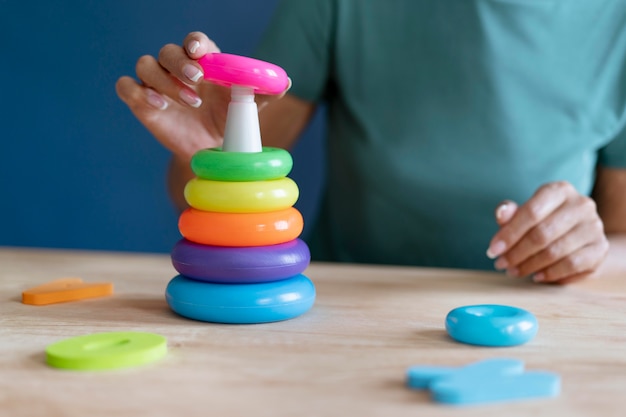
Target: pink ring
[228,70]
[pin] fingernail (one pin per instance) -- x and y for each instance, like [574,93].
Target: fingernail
[192,72]
[193,47]
[190,98]
[155,100]
[501,210]
[501,264]
[539,277]
[512,272]
[496,249]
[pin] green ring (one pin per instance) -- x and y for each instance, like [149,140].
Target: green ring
[217,165]
[109,350]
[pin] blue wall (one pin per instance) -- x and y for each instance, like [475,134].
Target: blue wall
[76,169]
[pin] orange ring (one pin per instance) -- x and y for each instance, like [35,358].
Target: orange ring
[240,229]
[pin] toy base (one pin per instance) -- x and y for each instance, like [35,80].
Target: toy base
[240,304]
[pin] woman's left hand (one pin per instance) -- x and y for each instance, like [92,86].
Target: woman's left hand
[556,236]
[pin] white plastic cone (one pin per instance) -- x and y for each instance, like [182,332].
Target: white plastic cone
[242,132]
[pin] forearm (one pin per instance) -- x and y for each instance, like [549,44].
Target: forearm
[610,196]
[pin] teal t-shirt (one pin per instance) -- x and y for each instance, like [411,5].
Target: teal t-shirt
[439,109]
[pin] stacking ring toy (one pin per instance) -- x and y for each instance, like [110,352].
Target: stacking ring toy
[241,197]
[106,351]
[491,325]
[240,304]
[240,229]
[229,70]
[214,164]
[240,265]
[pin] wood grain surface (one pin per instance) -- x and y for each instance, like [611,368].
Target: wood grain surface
[345,357]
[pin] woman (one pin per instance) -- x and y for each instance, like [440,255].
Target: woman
[437,111]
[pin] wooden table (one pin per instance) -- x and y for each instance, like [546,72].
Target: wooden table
[346,357]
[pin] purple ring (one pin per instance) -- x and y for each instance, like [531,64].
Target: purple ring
[240,265]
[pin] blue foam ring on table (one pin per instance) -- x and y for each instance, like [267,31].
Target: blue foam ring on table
[240,304]
[240,265]
[491,325]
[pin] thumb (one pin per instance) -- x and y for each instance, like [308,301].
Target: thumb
[505,212]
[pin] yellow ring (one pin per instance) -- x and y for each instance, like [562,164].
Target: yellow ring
[241,197]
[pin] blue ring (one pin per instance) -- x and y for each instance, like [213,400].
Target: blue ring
[491,325]
[240,304]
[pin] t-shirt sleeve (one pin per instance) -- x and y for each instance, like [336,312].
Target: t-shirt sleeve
[613,155]
[299,39]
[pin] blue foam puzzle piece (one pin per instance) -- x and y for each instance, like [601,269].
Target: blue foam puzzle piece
[460,390]
[482,382]
[420,377]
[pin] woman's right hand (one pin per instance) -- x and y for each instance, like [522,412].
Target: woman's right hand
[186,114]
[173,102]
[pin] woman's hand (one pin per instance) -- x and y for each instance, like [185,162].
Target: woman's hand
[184,113]
[556,236]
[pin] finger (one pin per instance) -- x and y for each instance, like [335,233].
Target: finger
[554,227]
[176,61]
[138,98]
[547,199]
[583,261]
[153,75]
[197,44]
[578,237]
[505,212]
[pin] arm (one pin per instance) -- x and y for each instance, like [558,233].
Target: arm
[610,195]
[186,114]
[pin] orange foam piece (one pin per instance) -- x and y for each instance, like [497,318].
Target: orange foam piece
[65,289]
